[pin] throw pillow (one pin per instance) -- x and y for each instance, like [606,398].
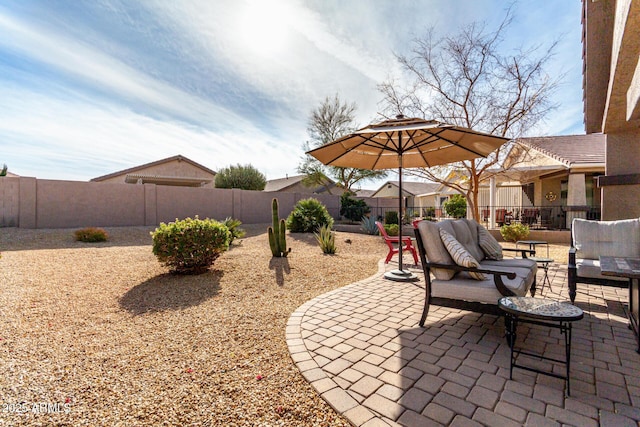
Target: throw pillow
[460,255]
[489,245]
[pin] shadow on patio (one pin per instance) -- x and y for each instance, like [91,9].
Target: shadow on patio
[361,349]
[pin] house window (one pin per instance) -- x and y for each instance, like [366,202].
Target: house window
[564,192]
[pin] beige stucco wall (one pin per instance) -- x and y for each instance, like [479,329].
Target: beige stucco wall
[623,158]
[174,168]
[37,203]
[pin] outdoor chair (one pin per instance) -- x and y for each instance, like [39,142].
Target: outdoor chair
[592,239]
[468,268]
[395,240]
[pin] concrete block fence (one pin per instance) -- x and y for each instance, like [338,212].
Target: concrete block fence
[41,203]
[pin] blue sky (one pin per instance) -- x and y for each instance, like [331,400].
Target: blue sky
[92,87]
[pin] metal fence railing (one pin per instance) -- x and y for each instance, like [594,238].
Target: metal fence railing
[536,217]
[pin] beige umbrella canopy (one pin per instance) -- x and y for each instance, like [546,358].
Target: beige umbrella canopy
[409,143]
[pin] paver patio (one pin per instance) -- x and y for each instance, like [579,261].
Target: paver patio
[362,350]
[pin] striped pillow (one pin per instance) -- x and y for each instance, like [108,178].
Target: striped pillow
[489,245]
[460,255]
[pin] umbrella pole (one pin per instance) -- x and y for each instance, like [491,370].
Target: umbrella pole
[400,275]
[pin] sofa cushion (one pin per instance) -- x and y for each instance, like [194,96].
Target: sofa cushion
[591,268]
[513,262]
[488,244]
[466,232]
[593,239]
[459,254]
[434,248]
[461,288]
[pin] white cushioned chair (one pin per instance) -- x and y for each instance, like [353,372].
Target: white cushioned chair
[592,239]
[451,284]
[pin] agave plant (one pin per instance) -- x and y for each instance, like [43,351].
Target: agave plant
[326,239]
[368,225]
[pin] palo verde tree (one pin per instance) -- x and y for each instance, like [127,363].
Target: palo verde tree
[466,80]
[245,177]
[330,121]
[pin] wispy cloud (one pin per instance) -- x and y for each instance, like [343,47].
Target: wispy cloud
[87,88]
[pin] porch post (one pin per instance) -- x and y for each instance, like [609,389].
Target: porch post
[492,202]
[576,197]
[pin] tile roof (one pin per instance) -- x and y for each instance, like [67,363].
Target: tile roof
[414,188]
[571,150]
[288,181]
[157,162]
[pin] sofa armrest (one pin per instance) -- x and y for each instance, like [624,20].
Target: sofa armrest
[572,257]
[497,275]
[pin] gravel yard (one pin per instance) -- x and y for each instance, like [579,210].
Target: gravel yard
[104,336]
[102,333]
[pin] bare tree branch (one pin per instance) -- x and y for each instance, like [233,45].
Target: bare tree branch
[466,80]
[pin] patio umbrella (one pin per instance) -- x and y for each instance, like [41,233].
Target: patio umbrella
[409,143]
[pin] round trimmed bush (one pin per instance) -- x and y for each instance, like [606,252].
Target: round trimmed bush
[308,216]
[190,246]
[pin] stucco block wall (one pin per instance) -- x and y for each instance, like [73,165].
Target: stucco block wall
[33,203]
[182,202]
[61,204]
[9,201]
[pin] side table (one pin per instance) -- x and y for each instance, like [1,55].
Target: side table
[544,264]
[543,312]
[532,244]
[630,268]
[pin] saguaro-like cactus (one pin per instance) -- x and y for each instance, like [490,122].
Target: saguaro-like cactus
[277,238]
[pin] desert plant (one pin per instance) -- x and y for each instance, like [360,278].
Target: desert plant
[91,234]
[353,209]
[276,233]
[308,215]
[392,229]
[190,246]
[456,206]
[391,217]
[326,239]
[245,177]
[233,226]
[368,225]
[514,232]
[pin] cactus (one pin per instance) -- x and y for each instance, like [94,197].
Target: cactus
[276,233]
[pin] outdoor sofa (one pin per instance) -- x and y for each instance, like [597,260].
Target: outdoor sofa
[468,267]
[592,239]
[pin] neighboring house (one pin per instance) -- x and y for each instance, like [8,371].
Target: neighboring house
[294,184]
[175,171]
[550,180]
[417,195]
[364,193]
[611,88]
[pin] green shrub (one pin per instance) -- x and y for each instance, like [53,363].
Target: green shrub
[368,225]
[326,239]
[232,224]
[514,232]
[190,246]
[91,234]
[391,217]
[456,206]
[308,215]
[353,209]
[392,229]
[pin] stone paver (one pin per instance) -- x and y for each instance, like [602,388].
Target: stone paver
[362,350]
